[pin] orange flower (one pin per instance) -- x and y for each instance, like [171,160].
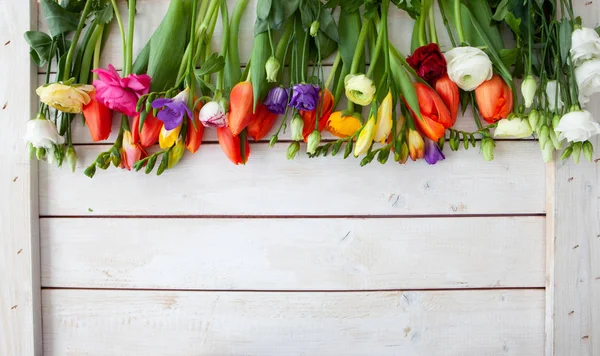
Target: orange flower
[448,91]
[310,117]
[130,152]
[261,123]
[98,119]
[150,131]
[435,115]
[494,99]
[231,146]
[193,137]
[240,107]
[416,145]
[343,126]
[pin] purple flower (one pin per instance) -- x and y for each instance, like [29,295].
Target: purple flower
[433,154]
[305,97]
[277,100]
[173,110]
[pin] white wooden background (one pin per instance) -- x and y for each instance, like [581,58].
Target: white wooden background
[304,257]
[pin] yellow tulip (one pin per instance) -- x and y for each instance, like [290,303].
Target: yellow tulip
[168,138]
[66,98]
[384,119]
[343,126]
[365,138]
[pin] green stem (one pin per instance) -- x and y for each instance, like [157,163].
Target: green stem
[234,30]
[71,53]
[459,24]
[121,28]
[88,54]
[334,68]
[304,57]
[530,40]
[191,74]
[360,46]
[97,51]
[225,46]
[130,31]
[432,29]
[446,23]
[384,28]
[376,53]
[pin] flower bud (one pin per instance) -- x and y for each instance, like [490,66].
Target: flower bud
[555,120]
[314,139]
[534,117]
[90,171]
[40,153]
[176,153]
[293,149]
[544,136]
[416,145]
[365,137]
[576,151]
[588,151]
[297,127]
[566,153]
[314,28]
[273,140]
[272,67]
[488,145]
[548,153]
[31,149]
[71,158]
[528,89]
[404,153]
[556,143]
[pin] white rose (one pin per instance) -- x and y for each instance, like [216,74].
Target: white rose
[588,79]
[577,126]
[468,67]
[551,91]
[585,44]
[514,128]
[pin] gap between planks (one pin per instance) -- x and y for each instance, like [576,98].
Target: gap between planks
[441,216]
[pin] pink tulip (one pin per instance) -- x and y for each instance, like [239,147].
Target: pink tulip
[120,94]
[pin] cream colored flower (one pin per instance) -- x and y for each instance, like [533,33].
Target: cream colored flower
[359,89]
[66,98]
[468,67]
[365,138]
[585,45]
[513,128]
[577,126]
[588,79]
[384,119]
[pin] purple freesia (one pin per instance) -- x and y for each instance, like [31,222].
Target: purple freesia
[305,97]
[173,110]
[433,153]
[277,100]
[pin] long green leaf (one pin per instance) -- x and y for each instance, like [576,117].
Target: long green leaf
[59,20]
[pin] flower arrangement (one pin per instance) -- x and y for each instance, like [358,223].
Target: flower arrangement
[177,88]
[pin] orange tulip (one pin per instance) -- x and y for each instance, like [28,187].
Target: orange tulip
[231,146]
[193,137]
[241,102]
[494,99]
[98,119]
[150,131]
[448,91]
[310,117]
[261,123]
[435,115]
[130,152]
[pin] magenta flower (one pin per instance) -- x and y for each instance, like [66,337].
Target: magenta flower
[173,110]
[120,94]
[433,153]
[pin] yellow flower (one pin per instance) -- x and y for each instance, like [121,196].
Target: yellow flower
[176,153]
[343,126]
[384,119]
[66,98]
[168,138]
[365,138]
[416,145]
[359,89]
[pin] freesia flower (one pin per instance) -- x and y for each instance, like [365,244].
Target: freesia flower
[272,68]
[553,98]
[343,126]
[261,123]
[448,91]
[168,138]
[231,146]
[429,62]
[585,45]
[468,67]
[310,117]
[359,89]
[494,99]
[297,124]
[130,152]
[173,110]
[150,130]
[435,116]
[98,119]
[416,145]
[513,128]
[241,101]
[66,98]
[176,153]
[213,114]
[120,94]
[577,126]
[42,134]
[384,119]
[433,153]
[365,138]
[528,89]
[304,97]
[588,79]
[277,100]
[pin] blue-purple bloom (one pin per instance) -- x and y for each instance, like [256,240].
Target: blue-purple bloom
[433,153]
[305,97]
[173,110]
[277,100]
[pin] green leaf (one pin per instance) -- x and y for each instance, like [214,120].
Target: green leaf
[213,64]
[263,8]
[104,15]
[349,30]
[328,26]
[73,5]
[41,45]
[565,39]
[412,7]
[59,20]
[279,12]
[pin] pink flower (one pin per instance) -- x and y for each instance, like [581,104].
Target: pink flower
[120,94]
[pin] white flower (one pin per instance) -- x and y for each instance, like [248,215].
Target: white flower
[514,128]
[551,91]
[585,44]
[528,89]
[359,89]
[213,114]
[577,126]
[42,133]
[468,67]
[588,79]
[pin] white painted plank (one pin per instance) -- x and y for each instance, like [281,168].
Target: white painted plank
[208,184]
[293,254]
[20,309]
[493,322]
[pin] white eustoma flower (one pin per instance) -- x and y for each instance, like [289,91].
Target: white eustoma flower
[552,88]
[213,114]
[577,126]
[468,67]
[585,45]
[513,128]
[588,79]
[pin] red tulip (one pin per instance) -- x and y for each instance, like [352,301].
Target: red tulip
[241,102]
[231,146]
[494,99]
[130,152]
[448,91]
[261,123]
[98,119]
[193,137]
[435,115]
[310,117]
[150,131]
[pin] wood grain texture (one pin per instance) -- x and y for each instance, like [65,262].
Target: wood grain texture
[293,254]
[20,310]
[208,184]
[497,322]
